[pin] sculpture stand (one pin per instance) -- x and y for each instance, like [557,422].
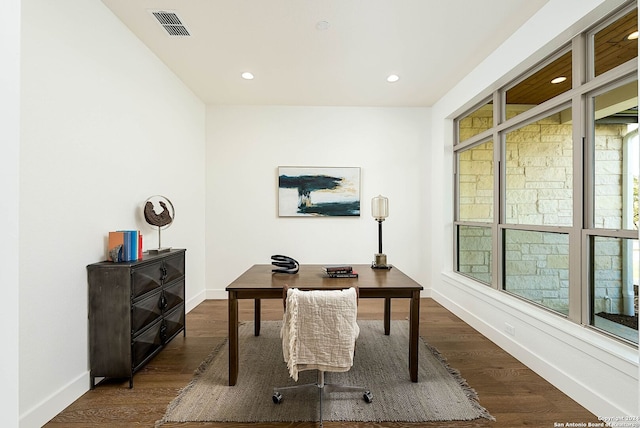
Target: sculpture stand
[160,248]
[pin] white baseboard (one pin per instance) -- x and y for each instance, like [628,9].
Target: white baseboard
[598,372]
[61,399]
[55,403]
[216,294]
[195,301]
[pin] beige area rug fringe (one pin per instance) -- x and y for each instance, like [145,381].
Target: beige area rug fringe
[381,364]
[471,393]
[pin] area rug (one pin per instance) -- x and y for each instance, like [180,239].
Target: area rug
[380,364]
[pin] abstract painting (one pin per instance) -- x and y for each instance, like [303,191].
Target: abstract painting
[318,191]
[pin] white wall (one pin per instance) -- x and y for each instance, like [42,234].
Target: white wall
[245,146]
[599,373]
[9,200]
[104,125]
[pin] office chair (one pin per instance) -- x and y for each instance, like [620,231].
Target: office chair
[319,331]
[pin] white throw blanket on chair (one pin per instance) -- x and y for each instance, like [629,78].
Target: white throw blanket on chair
[319,330]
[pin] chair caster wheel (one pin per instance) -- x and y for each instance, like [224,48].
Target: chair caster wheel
[368,396]
[277,398]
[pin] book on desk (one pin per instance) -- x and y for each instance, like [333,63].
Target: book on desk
[339,271]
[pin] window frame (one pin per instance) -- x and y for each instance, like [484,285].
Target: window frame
[585,86]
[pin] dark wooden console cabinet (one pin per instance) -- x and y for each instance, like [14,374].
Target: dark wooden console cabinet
[135,309]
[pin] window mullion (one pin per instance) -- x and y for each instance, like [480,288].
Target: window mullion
[578,295]
[496,263]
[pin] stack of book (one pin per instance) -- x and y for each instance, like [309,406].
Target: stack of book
[124,246]
[339,271]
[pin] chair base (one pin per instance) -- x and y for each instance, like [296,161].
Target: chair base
[323,388]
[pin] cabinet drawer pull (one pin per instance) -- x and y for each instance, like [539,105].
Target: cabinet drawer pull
[163,332]
[162,303]
[163,270]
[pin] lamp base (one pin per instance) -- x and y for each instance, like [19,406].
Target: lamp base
[380,262]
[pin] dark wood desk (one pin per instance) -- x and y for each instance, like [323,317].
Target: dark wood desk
[258,282]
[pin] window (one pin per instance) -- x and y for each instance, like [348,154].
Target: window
[475,256]
[547,191]
[615,146]
[536,267]
[616,43]
[476,122]
[475,183]
[539,171]
[613,244]
[475,208]
[614,286]
[546,83]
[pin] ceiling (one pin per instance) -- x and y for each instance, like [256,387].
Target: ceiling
[325,52]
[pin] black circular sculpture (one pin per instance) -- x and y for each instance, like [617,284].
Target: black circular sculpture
[284,264]
[159,212]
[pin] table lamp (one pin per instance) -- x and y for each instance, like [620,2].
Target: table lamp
[380,211]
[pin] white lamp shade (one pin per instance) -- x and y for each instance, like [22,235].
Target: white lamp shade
[380,207]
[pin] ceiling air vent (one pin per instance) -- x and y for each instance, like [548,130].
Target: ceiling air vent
[171,22]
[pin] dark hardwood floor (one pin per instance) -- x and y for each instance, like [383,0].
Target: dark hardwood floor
[511,392]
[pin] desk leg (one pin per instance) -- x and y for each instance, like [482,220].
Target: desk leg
[414,335]
[387,316]
[256,317]
[233,338]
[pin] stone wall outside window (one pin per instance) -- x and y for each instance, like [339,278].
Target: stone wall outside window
[539,192]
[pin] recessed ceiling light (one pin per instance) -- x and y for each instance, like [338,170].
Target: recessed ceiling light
[322,25]
[559,79]
[247,76]
[393,78]
[633,36]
